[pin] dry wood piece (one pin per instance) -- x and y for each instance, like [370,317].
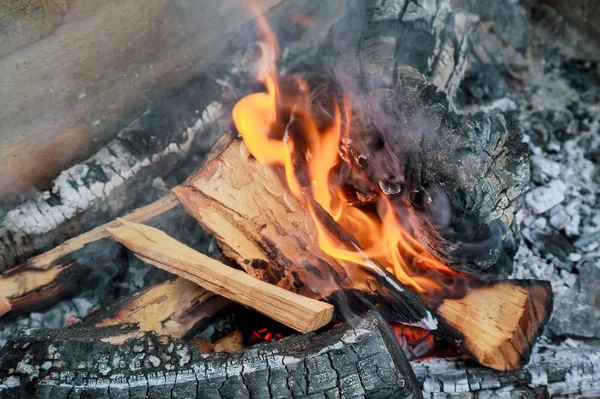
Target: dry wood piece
[176,308]
[342,362]
[157,248]
[261,226]
[67,268]
[501,322]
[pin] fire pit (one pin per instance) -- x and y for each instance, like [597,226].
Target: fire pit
[339,207]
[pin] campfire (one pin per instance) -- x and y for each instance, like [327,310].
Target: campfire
[320,230]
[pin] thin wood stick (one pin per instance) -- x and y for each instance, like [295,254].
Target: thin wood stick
[158,249]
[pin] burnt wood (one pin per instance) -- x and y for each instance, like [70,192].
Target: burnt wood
[117,177]
[343,362]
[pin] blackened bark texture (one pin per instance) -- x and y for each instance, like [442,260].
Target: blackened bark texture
[462,173]
[362,362]
[117,177]
[565,372]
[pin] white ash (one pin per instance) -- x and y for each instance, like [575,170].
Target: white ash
[560,221]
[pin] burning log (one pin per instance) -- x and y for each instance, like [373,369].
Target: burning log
[157,248]
[176,308]
[343,362]
[271,235]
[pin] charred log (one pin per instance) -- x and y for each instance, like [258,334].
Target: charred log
[116,178]
[343,362]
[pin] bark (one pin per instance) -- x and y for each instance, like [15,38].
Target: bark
[343,362]
[177,308]
[464,173]
[560,372]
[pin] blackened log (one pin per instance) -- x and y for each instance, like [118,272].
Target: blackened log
[177,125]
[343,362]
[377,36]
[117,177]
[556,372]
[457,176]
[81,261]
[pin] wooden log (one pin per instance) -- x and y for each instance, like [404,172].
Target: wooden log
[107,60]
[157,248]
[343,362]
[177,308]
[279,246]
[261,226]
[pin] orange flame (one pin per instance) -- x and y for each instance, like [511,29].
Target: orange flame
[381,237]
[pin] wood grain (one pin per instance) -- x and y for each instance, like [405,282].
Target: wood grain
[156,248]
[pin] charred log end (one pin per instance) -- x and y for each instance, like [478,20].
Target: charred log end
[500,322]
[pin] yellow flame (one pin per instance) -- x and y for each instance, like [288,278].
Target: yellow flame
[381,237]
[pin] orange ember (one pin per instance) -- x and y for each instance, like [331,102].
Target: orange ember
[258,118]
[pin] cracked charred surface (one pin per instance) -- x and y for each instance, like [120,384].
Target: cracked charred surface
[460,174]
[343,362]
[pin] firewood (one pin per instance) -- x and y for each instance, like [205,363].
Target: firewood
[75,264]
[176,308]
[261,226]
[498,324]
[157,248]
[365,361]
[67,268]
[115,179]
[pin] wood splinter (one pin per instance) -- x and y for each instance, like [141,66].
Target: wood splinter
[157,248]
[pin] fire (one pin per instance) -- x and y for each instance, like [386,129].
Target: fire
[280,128]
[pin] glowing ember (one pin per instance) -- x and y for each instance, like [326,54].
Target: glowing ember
[280,128]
